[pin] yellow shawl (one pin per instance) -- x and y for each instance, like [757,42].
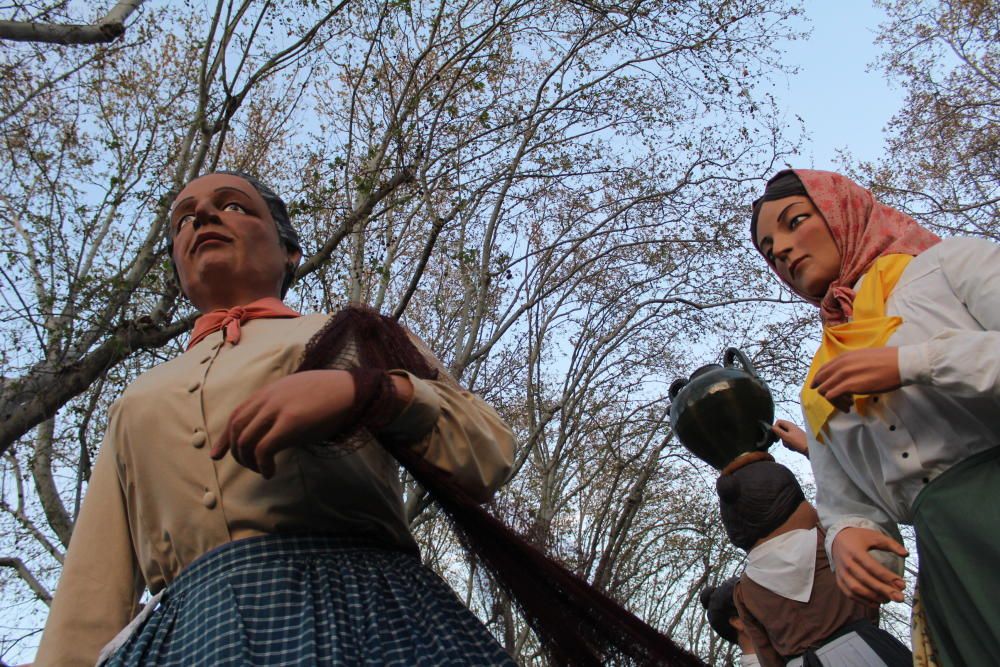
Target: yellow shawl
[870,327]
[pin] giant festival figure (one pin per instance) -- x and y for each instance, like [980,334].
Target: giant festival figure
[252,486]
[902,400]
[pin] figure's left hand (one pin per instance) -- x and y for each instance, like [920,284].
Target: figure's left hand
[868,371]
[302,407]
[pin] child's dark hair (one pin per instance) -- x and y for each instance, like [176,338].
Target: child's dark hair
[721,609]
[755,499]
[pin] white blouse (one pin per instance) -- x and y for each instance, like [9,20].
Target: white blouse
[869,468]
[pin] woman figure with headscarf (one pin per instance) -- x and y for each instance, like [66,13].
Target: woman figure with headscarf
[787,596]
[902,399]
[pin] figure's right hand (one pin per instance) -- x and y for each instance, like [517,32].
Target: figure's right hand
[792,437]
[859,575]
[294,410]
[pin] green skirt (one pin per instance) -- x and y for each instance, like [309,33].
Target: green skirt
[957,521]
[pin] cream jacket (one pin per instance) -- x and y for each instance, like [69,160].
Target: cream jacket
[156,501]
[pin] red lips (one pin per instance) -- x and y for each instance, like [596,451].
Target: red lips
[209,236]
[795,264]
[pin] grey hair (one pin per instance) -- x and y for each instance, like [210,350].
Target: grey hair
[282,222]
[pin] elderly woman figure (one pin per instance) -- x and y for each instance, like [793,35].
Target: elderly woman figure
[216,487]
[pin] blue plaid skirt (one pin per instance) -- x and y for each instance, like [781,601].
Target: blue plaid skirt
[309,600]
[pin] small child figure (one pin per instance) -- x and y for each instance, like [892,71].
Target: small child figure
[788,597]
[725,620]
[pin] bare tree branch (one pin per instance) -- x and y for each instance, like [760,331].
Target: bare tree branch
[36,586]
[532,187]
[28,402]
[108,29]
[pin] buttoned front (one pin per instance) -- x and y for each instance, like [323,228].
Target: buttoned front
[199,439]
[870,467]
[208,500]
[157,501]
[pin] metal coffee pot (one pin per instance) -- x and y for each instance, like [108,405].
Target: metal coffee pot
[723,412]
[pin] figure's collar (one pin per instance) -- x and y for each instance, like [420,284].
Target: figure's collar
[230,319]
[786,564]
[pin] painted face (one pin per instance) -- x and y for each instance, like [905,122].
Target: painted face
[222,230]
[794,237]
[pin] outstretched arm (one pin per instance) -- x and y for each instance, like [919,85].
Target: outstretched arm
[792,437]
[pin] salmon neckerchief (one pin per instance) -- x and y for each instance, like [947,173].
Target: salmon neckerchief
[870,327]
[230,319]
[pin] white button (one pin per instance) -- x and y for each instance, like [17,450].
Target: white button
[208,500]
[199,439]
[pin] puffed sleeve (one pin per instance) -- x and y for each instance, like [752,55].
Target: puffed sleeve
[454,430]
[464,435]
[766,654]
[100,586]
[960,361]
[841,504]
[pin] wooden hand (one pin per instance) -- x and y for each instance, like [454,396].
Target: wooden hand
[868,371]
[300,408]
[792,437]
[859,575]
[303,407]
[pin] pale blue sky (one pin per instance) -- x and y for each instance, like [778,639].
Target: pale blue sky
[843,105]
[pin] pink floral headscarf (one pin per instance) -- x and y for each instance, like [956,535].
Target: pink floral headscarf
[863,230]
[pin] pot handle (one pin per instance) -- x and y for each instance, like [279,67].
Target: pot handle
[676,386]
[732,354]
[767,436]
